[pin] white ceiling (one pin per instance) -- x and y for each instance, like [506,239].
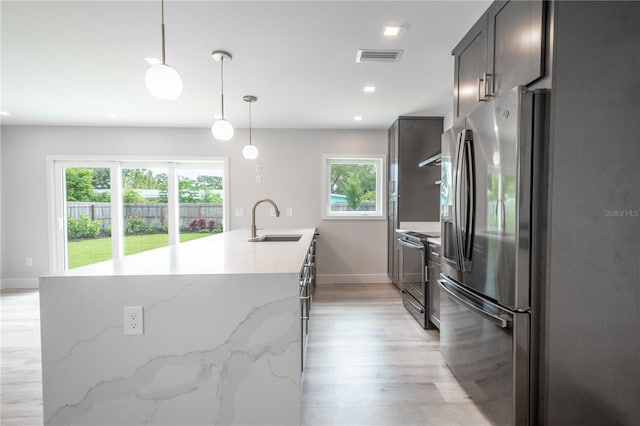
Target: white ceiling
[72,63]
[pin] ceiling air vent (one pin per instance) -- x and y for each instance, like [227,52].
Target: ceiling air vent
[378,55]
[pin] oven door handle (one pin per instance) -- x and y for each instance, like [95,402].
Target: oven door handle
[498,320]
[411,302]
[410,244]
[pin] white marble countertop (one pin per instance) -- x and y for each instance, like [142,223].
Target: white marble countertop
[225,253]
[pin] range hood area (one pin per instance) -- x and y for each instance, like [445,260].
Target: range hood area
[431,161]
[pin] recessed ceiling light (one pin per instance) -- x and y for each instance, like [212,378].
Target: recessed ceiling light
[369,89]
[153,61]
[358,118]
[112,115]
[5,113]
[392,30]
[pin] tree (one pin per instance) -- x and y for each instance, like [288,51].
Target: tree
[101,178]
[355,181]
[79,183]
[188,190]
[213,198]
[199,190]
[101,197]
[139,179]
[130,195]
[212,182]
[353,191]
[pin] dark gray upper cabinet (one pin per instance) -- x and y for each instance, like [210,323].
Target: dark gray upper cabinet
[411,140]
[515,40]
[504,49]
[470,68]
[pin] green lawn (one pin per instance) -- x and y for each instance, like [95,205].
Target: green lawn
[86,252]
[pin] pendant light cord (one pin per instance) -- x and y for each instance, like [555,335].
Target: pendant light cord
[163,53]
[250,123]
[222,84]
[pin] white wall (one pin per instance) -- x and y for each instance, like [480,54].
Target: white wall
[291,169]
[1,207]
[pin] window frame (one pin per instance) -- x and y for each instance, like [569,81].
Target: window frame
[379,161]
[56,186]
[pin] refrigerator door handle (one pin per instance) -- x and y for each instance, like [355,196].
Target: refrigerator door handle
[457,188]
[471,201]
[499,320]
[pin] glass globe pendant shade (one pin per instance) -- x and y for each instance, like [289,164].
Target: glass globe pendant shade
[222,130]
[250,152]
[163,82]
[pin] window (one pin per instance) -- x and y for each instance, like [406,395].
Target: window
[352,187]
[108,209]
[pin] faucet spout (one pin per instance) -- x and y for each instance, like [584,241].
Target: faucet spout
[254,230]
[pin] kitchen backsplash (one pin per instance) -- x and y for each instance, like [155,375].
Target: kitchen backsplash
[425,227]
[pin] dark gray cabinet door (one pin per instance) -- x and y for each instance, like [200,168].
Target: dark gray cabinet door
[515,54]
[504,49]
[392,225]
[470,66]
[418,193]
[393,160]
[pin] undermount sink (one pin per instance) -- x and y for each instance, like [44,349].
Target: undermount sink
[276,237]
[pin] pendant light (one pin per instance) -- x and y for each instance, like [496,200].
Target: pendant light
[222,129]
[250,152]
[163,81]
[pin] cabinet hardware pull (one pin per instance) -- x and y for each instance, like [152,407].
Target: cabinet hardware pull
[488,85]
[480,97]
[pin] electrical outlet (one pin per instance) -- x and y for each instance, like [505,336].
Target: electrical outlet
[29,261]
[133,320]
[239,211]
[257,168]
[258,179]
[289,211]
[272,212]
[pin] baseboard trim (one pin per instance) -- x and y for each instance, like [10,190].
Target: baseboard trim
[8,283]
[352,278]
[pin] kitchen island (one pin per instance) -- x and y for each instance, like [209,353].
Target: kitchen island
[221,340]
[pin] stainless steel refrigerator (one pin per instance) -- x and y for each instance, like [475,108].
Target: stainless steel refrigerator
[486,291]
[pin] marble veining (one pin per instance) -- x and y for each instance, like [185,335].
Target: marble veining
[217,348]
[118,327]
[227,363]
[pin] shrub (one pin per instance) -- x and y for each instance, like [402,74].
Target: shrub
[156,227]
[101,196]
[211,225]
[135,225]
[83,227]
[132,196]
[197,224]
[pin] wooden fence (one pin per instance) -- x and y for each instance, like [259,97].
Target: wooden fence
[153,214]
[366,206]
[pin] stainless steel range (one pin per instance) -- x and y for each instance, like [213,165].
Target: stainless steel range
[414,276]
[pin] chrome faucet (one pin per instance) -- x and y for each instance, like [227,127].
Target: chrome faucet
[254,230]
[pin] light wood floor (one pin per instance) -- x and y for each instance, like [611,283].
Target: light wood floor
[20,365]
[368,363]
